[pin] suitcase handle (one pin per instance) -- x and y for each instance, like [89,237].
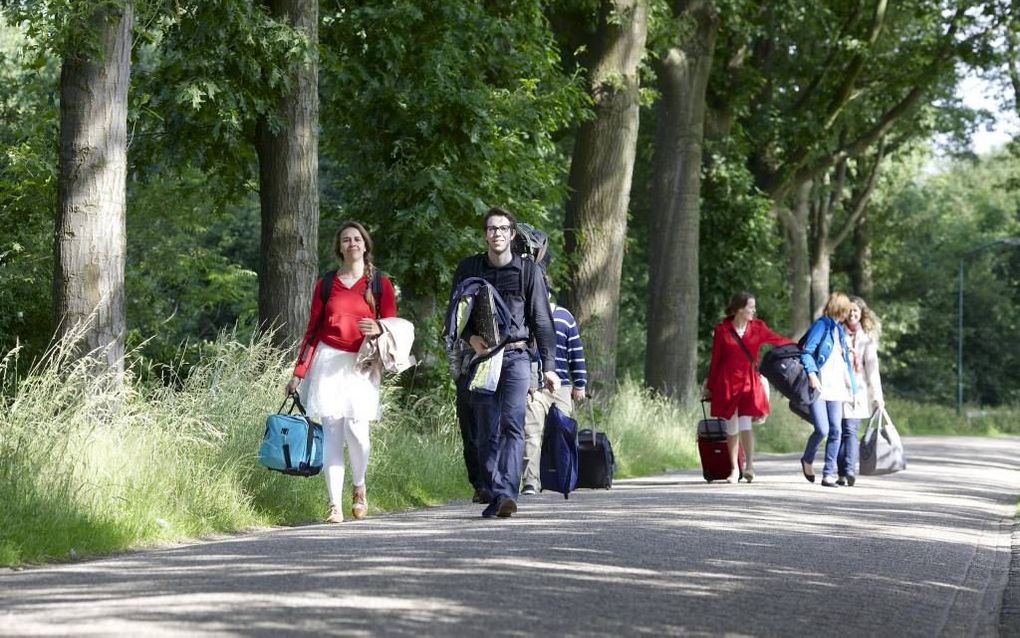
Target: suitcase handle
[594,425]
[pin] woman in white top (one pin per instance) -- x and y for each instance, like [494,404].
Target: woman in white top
[862,330]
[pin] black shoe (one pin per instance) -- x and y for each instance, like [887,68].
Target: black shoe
[850,480]
[491,510]
[481,496]
[803,468]
[529,490]
[841,480]
[507,507]
[828,482]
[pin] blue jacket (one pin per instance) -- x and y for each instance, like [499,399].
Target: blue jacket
[817,345]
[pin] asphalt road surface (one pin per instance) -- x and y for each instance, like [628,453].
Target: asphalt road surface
[925,552]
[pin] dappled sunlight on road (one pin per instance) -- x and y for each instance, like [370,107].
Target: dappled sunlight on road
[665,555]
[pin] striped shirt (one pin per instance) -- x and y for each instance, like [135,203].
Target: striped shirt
[569,350]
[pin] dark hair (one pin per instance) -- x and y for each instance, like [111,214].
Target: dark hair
[369,266]
[493,212]
[737,302]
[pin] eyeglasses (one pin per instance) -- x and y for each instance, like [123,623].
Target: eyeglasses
[502,230]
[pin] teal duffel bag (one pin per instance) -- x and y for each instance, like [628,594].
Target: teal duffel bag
[292,443]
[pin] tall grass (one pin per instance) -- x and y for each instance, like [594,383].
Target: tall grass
[87,467]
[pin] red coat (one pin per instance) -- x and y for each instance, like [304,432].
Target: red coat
[732,378]
[339,328]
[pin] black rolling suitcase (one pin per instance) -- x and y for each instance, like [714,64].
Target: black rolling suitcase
[595,460]
[715,455]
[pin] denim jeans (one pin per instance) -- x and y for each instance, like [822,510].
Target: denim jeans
[826,417]
[499,418]
[468,430]
[849,450]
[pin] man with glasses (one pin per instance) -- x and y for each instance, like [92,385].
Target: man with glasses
[494,423]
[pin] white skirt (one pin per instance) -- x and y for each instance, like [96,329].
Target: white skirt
[334,388]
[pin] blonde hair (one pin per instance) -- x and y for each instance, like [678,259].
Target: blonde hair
[369,265]
[869,320]
[837,307]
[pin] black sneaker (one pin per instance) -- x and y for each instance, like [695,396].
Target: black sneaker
[491,510]
[529,490]
[507,507]
[850,480]
[841,480]
[481,496]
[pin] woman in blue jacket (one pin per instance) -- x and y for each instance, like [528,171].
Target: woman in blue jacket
[826,360]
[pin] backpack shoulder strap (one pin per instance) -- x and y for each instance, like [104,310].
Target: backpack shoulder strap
[376,285]
[324,290]
[327,286]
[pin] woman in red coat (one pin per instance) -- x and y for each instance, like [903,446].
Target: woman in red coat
[733,384]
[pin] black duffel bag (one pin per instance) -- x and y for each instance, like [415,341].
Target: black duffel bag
[785,373]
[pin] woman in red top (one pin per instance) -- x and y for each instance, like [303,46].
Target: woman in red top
[733,384]
[337,393]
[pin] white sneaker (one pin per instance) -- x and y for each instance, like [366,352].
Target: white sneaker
[529,490]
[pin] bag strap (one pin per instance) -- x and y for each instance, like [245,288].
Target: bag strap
[740,340]
[296,403]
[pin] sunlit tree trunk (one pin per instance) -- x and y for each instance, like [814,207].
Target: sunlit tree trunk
[90,238]
[600,179]
[672,345]
[861,273]
[289,191]
[795,230]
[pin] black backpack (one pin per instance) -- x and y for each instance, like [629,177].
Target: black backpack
[532,242]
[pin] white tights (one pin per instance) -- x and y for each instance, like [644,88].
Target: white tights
[335,433]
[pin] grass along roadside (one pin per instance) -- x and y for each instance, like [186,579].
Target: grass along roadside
[85,470]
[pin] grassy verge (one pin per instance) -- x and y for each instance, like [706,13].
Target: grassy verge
[85,470]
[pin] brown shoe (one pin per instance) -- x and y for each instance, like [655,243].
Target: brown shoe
[358,505]
[335,515]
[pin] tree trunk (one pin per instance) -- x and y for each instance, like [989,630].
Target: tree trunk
[795,231]
[289,192]
[90,242]
[861,274]
[672,346]
[600,178]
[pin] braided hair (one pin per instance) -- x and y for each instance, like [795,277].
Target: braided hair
[369,265]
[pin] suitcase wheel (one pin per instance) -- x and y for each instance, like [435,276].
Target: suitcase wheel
[708,477]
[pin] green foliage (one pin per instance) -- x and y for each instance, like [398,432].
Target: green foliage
[434,112]
[205,72]
[923,231]
[211,283]
[28,111]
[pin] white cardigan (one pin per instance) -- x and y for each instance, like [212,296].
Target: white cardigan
[869,383]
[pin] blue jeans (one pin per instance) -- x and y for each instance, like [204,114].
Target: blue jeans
[826,417]
[468,430]
[499,418]
[849,448]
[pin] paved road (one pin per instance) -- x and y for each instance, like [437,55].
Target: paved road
[922,553]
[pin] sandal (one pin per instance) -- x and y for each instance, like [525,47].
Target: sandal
[359,507]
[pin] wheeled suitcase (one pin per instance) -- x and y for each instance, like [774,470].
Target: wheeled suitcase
[292,443]
[715,457]
[558,463]
[595,460]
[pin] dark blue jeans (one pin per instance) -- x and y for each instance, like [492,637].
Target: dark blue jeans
[826,417]
[499,418]
[468,431]
[849,448]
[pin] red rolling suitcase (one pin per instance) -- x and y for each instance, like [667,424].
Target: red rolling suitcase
[715,458]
